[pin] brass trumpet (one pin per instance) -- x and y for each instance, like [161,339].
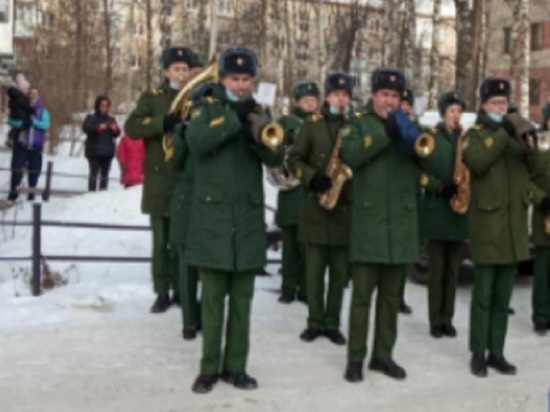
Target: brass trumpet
[265,130]
[424,145]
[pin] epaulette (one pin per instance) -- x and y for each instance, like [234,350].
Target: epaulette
[155,92]
[316,117]
[357,114]
[477,126]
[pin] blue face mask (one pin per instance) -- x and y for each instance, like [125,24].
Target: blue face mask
[495,117]
[174,86]
[231,96]
[336,110]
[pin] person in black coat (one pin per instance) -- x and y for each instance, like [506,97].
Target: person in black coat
[101,130]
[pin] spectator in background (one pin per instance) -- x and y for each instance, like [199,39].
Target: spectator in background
[130,155]
[101,131]
[27,141]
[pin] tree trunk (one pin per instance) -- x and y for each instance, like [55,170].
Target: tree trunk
[486,34]
[434,56]
[463,49]
[149,44]
[390,42]
[107,13]
[525,36]
[477,13]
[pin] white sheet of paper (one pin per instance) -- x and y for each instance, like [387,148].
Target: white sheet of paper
[266,94]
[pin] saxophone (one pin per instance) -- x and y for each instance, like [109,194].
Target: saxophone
[339,173]
[461,177]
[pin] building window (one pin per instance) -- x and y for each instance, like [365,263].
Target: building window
[303,22]
[302,50]
[536,36]
[136,61]
[224,7]
[193,4]
[507,40]
[534,92]
[4,11]
[191,35]
[302,74]
[224,39]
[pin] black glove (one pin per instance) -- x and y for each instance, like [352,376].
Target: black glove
[545,205]
[170,121]
[448,190]
[244,108]
[320,183]
[391,126]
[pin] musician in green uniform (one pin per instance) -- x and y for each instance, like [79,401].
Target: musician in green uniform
[181,162]
[496,153]
[290,200]
[324,232]
[226,235]
[444,228]
[150,121]
[379,147]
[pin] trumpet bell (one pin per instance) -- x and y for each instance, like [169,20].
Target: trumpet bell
[424,145]
[272,135]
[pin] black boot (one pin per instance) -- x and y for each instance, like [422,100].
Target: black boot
[354,372]
[302,298]
[511,311]
[161,304]
[478,365]
[449,331]
[204,383]
[540,329]
[176,300]
[240,380]
[286,298]
[499,363]
[189,332]
[388,367]
[436,331]
[336,337]
[405,309]
[310,334]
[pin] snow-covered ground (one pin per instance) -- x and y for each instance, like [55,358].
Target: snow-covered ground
[92,346]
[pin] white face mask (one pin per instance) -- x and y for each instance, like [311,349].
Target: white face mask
[174,85]
[231,96]
[495,117]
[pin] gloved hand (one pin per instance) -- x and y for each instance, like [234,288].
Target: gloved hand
[244,108]
[391,126]
[545,205]
[518,126]
[448,190]
[320,183]
[170,121]
[101,127]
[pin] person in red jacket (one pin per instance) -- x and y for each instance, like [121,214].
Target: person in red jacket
[130,156]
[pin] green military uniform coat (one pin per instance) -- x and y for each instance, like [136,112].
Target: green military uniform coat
[501,193]
[384,230]
[226,234]
[182,164]
[444,229]
[146,122]
[325,232]
[540,172]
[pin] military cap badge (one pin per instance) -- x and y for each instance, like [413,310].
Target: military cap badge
[240,61]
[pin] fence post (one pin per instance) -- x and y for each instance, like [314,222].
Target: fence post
[36,252]
[47,189]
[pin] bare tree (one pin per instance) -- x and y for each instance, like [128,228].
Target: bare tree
[390,35]
[525,36]
[433,87]
[464,47]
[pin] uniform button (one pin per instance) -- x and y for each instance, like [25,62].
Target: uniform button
[208,198]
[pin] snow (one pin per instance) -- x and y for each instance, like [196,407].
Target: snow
[93,346]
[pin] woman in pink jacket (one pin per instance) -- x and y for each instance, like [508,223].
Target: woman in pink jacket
[130,155]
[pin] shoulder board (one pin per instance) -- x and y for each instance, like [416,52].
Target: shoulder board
[477,126]
[155,92]
[316,117]
[357,114]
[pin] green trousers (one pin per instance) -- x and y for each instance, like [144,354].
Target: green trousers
[239,287]
[541,287]
[294,272]
[445,259]
[164,264]
[491,296]
[188,285]
[387,280]
[318,259]
[402,288]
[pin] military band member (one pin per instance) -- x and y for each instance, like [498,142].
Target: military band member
[541,238]
[290,202]
[443,228]
[182,165]
[407,104]
[384,227]
[226,235]
[150,121]
[324,232]
[501,192]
